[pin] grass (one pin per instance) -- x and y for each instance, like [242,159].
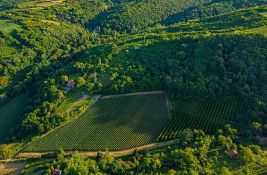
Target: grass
[8,25]
[74,103]
[38,5]
[9,115]
[198,114]
[113,123]
[36,166]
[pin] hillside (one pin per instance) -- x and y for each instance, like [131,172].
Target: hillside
[156,58]
[131,17]
[113,123]
[11,114]
[207,56]
[208,116]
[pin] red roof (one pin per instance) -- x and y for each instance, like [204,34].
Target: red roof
[233,153]
[71,82]
[57,172]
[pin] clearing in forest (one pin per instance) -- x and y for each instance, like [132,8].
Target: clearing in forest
[38,5]
[200,114]
[113,122]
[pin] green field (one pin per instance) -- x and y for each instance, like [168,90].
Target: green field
[38,4]
[74,103]
[9,114]
[198,114]
[7,25]
[113,122]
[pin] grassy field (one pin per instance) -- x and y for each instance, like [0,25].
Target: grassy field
[113,122]
[198,114]
[38,4]
[9,114]
[74,103]
[7,25]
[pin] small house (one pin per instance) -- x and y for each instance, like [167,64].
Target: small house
[70,84]
[233,153]
[57,172]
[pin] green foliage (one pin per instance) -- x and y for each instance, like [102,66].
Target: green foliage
[7,151]
[212,57]
[7,25]
[79,164]
[225,171]
[169,159]
[73,103]
[131,17]
[211,9]
[10,115]
[247,156]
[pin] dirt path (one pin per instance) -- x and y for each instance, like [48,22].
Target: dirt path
[94,153]
[136,93]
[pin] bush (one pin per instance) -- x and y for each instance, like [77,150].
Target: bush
[7,151]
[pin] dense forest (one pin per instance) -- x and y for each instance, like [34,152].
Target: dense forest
[205,49]
[131,17]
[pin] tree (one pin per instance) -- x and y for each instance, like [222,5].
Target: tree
[224,171]
[105,160]
[256,128]
[64,79]
[4,81]
[7,151]
[80,165]
[246,155]
[61,155]
[226,142]
[172,172]
[231,132]
[185,160]
[80,82]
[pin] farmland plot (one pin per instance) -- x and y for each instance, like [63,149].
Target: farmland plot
[114,123]
[198,114]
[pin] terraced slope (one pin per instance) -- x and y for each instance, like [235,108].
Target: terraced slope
[114,123]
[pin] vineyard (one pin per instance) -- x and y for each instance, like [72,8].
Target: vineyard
[198,114]
[113,122]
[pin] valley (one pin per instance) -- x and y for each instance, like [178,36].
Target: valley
[133,87]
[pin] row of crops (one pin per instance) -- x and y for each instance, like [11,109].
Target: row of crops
[114,123]
[198,114]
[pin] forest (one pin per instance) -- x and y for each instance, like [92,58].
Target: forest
[206,49]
